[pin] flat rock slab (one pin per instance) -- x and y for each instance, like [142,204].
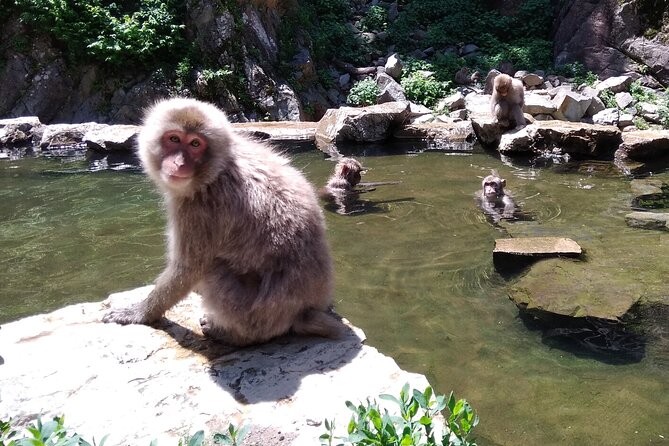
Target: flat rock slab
[285,131]
[138,383]
[537,246]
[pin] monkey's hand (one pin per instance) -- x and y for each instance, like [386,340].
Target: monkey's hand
[135,314]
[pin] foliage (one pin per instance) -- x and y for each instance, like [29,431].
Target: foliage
[363,92]
[640,123]
[608,98]
[424,90]
[571,70]
[50,433]
[325,23]
[121,34]
[588,79]
[369,425]
[641,94]
[375,19]
[234,436]
[523,36]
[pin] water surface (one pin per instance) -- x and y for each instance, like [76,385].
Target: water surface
[414,271]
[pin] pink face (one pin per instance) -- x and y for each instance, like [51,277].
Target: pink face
[492,187]
[181,152]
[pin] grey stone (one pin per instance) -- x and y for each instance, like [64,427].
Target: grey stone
[648,220]
[166,382]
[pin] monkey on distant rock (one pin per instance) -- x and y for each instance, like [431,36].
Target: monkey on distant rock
[507,101]
[244,229]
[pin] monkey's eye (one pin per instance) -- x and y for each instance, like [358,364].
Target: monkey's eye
[195,143]
[174,138]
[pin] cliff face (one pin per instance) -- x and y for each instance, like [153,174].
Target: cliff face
[38,79]
[611,37]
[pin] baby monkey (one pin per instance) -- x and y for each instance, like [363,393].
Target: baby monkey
[244,229]
[342,187]
[494,201]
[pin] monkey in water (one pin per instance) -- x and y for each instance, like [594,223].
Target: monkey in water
[508,99]
[341,188]
[244,230]
[494,201]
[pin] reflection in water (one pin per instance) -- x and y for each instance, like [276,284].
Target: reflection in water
[417,276]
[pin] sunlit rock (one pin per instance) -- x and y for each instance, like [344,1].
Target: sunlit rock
[113,137]
[138,383]
[537,246]
[360,124]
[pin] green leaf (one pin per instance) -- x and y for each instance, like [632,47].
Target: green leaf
[196,439]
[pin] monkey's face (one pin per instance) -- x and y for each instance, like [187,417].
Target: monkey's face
[493,187]
[502,84]
[180,153]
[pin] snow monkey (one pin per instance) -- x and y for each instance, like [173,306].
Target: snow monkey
[494,200]
[244,230]
[508,98]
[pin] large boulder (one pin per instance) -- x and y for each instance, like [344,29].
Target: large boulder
[583,140]
[139,383]
[607,36]
[364,124]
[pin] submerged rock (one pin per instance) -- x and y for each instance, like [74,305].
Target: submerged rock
[648,220]
[138,383]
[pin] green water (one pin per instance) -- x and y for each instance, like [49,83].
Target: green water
[414,271]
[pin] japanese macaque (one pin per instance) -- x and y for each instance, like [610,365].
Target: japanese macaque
[508,98]
[244,229]
[465,77]
[340,188]
[495,202]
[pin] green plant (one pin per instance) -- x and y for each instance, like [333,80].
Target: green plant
[424,90]
[608,98]
[588,79]
[50,433]
[375,19]
[234,436]
[121,34]
[369,425]
[363,92]
[640,123]
[197,439]
[641,94]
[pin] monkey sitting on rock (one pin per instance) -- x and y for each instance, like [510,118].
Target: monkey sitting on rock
[244,229]
[507,100]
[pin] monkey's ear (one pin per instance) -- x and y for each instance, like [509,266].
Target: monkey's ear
[503,182]
[344,169]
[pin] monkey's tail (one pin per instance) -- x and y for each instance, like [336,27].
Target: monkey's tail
[318,323]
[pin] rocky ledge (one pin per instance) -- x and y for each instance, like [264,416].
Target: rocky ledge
[138,383]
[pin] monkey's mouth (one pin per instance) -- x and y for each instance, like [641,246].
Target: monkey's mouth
[178,180]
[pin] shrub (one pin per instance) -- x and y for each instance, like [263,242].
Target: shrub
[375,19]
[138,32]
[414,426]
[608,98]
[363,92]
[50,433]
[424,90]
[640,123]
[641,94]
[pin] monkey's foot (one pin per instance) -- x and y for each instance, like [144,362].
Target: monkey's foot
[210,330]
[131,315]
